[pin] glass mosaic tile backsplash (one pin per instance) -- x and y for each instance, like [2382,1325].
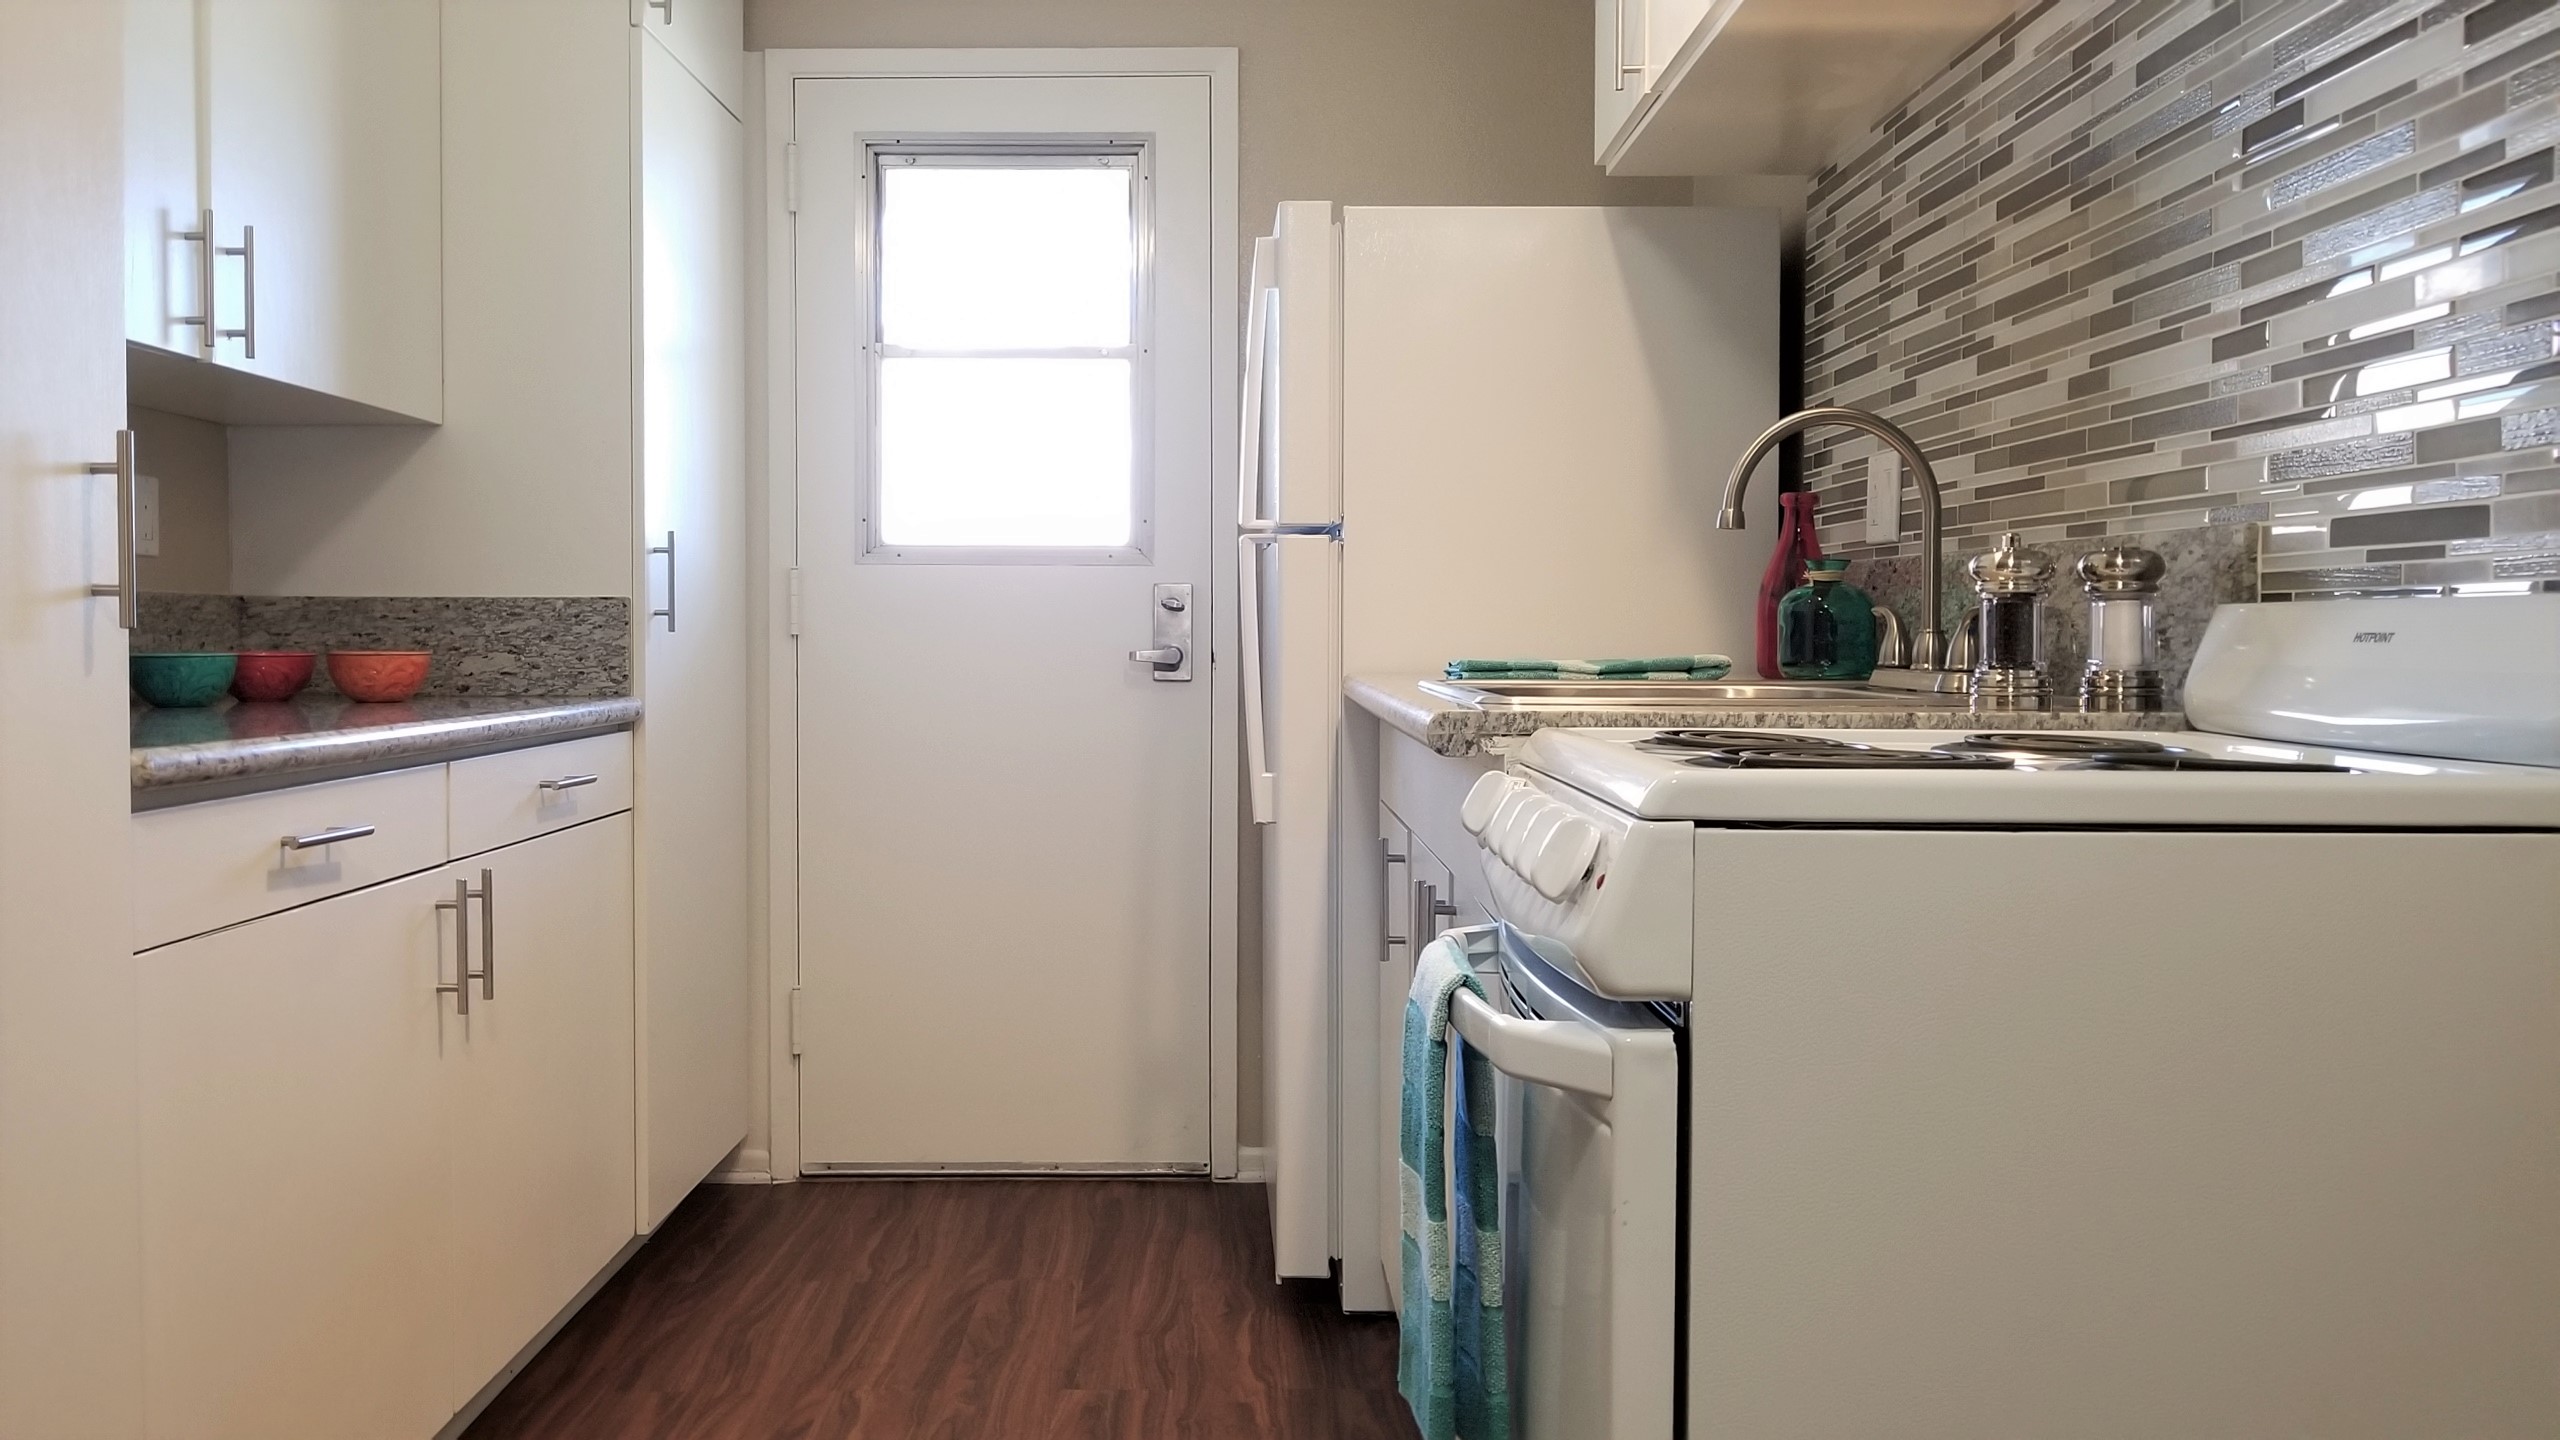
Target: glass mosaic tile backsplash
[2140,265]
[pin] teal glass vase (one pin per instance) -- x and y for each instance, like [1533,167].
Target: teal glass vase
[1826,628]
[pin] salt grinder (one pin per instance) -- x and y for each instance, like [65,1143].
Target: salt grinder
[2123,673]
[2008,668]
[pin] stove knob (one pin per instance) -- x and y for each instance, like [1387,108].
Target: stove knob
[1511,840]
[1476,811]
[1508,806]
[1564,858]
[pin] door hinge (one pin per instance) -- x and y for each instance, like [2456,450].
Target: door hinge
[793,612]
[795,1020]
[791,176]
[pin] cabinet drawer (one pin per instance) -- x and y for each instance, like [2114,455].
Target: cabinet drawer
[201,867]
[501,799]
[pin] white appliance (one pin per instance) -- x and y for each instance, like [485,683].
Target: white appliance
[2201,1083]
[1465,432]
[1587,1135]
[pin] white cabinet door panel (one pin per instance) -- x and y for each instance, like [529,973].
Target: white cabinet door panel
[515,795]
[219,862]
[163,198]
[322,125]
[540,1089]
[709,37]
[693,679]
[295,1185]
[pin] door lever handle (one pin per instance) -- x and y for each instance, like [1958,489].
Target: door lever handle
[1170,656]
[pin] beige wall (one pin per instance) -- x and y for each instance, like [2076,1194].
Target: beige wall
[1405,102]
[191,460]
[1369,102]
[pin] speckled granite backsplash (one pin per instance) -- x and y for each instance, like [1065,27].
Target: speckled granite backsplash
[2130,266]
[2215,565]
[482,645]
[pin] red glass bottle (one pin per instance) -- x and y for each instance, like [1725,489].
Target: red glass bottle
[1796,545]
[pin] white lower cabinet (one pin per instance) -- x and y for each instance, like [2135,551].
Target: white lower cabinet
[1418,891]
[540,1094]
[364,1193]
[295,1185]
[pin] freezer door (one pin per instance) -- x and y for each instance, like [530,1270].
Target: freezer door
[1291,589]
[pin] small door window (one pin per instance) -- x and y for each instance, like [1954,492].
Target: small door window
[1009,381]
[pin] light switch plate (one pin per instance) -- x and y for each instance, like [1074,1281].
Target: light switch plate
[1884,497]
[146,515]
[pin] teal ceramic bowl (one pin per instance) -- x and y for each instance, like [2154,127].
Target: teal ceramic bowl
[176,682]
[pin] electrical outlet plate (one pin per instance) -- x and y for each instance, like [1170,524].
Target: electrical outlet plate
[1884,497]
[146,515]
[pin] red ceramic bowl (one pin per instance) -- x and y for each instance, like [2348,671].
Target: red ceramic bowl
[378,676]
[271,674]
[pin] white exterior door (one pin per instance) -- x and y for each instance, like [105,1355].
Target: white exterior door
[1004,463]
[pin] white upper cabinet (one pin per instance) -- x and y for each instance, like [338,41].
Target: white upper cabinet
[1632,42]
[1763,87]
[306,133]
[709,37]
[163,201]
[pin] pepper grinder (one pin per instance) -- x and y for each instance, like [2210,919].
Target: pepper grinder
[2123,673]
[2008,669]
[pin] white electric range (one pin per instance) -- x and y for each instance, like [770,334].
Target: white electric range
[2142,1083]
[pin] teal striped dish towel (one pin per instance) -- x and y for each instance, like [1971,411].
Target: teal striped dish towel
[1649,667]
[1452,1363]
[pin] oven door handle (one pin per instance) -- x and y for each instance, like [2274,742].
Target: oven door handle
[1558,1054]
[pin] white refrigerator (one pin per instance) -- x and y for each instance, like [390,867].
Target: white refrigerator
[1466,432]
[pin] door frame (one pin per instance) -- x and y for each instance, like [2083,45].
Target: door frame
[773,525]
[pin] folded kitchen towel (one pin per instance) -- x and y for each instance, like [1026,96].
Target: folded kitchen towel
[1452,1366]
[1683,667]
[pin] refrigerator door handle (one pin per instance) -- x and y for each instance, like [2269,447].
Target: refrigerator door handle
[1256,336]
[1257,750]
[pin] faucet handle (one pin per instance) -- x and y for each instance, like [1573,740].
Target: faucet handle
[1891,652]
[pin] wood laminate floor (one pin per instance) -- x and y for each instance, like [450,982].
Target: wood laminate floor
[970,1309]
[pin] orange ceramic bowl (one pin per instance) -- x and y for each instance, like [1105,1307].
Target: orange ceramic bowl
[378,676]
[271,674]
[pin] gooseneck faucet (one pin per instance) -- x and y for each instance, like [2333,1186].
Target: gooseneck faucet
[1929,646]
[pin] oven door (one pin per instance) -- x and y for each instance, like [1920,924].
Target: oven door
[1588,1137]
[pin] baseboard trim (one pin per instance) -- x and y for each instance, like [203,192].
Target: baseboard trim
[747,1167]
[1253,1165]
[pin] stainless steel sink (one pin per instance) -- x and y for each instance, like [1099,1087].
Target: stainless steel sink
[1590,694]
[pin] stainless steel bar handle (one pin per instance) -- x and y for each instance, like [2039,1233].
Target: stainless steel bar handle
[488,935]
[460,989]
[331,836]
[567,782]
[668,550]
[247,250]
[202,238]
[1618,49]
[127,588]
[1386,920]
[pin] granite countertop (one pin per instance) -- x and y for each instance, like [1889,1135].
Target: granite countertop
[231,748]
[1451,728]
